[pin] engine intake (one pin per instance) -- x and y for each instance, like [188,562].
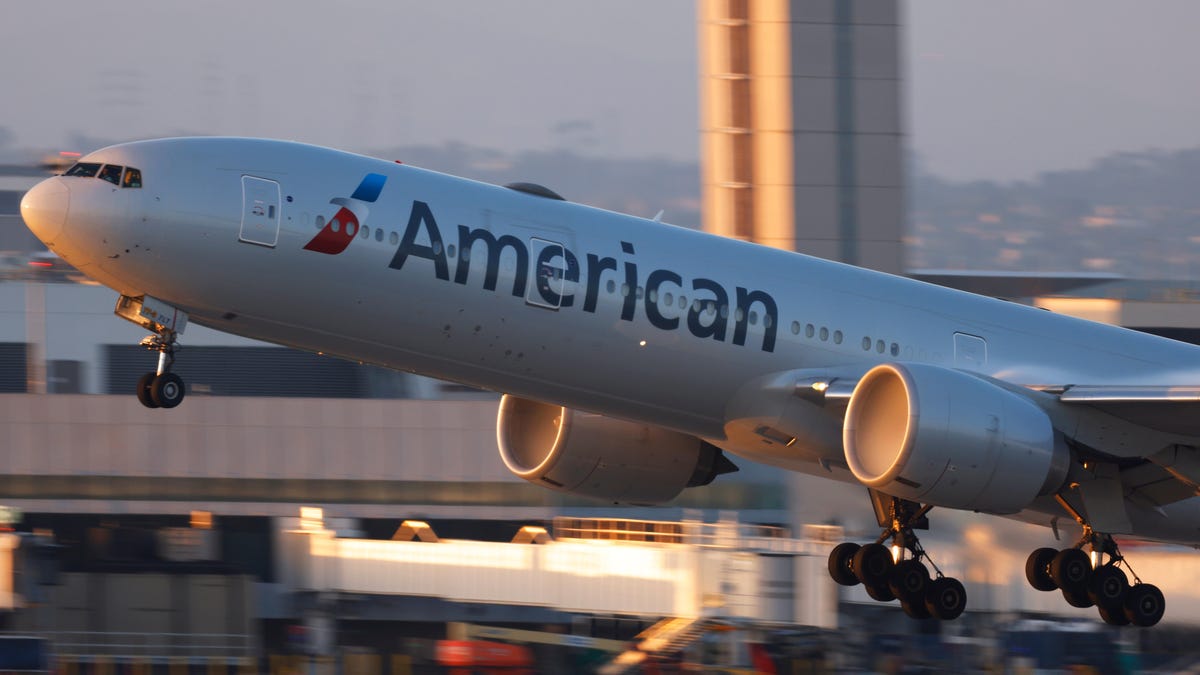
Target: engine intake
[945,437]
[587,454]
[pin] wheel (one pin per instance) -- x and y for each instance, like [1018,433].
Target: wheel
[1108,587]
[881,592]
[1037,569]
[872,564]
[1114,617]
[167,390]
[908,581]
[1144,605]
[1077,597]
[916,609]
[143,390]
[839,563]
[946,598]
[1071,568]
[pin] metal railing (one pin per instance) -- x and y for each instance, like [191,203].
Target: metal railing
[149,645]
[723,534]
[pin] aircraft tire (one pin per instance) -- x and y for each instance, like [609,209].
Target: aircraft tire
[143,390]
[1114,617]
[1037,569]
[872,564]
[908,581]
[916,609]
[880,593]
[841,561]
[1071,569]
[1144,605]
[1108,587]
[946,598]
[167,390]
[1076,597]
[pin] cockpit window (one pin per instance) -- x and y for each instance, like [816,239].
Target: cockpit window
[126,176]
[111,173]
[84,169]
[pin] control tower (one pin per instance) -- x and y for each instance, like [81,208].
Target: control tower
[801,139]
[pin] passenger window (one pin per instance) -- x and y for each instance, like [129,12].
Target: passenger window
[111,173]
[133,178]
[83,170]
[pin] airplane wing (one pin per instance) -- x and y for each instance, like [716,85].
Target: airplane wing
[1147,438]
[1169,409]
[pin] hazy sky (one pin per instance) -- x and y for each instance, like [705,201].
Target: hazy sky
[996,89]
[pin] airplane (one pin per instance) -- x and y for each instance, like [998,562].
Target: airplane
[635,356]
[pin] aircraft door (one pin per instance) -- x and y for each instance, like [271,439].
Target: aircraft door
[260,211]
[970,351]
[555,272]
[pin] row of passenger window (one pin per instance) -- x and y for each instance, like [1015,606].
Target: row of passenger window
[668,299]
[824,334]
[125,176]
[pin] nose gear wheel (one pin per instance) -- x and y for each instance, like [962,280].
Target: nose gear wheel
[161,388]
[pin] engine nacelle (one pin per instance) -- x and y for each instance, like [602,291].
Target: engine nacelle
[945,437]
[586,454]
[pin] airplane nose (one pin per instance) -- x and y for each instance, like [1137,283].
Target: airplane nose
[44,208]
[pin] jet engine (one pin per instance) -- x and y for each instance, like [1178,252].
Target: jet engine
[942,436]
[586,454]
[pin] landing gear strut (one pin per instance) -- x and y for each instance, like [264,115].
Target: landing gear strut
[1102,584]
[160,388]
[886,576]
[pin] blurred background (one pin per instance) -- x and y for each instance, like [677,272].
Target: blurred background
[1044,153]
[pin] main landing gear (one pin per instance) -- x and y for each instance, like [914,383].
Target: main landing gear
[1101,583]
[161,388]
[903,576]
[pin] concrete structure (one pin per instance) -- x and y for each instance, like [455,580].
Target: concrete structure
[715,570]
[801,134]
[259,456]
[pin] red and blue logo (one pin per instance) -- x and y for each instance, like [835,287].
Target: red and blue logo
[337,234]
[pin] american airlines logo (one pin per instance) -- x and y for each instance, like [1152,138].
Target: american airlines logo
[561,274]
[337,234]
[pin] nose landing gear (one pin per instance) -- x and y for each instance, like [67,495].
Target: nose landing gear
[159,388]
[888,577]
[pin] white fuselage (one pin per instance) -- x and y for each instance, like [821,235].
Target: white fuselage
[616,344]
